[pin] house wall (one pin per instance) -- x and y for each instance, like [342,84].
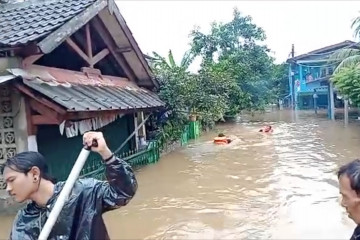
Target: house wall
[303,93]
[305,86]
[13,137]
[61,152]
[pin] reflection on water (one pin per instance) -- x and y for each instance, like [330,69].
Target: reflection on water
[280,185]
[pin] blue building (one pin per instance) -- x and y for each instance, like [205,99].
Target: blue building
[310,73]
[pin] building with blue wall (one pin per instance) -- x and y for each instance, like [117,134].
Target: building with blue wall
[311,72]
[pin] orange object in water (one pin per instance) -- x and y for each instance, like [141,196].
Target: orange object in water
[221,140]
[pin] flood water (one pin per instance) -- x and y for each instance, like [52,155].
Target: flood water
[278,186]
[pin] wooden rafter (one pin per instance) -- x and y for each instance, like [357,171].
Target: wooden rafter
[30,60]
[113,49]
[31,127]
[40,99]
[78,50]
[43,120]
[92,114]
[47,115]
[124,49]
[98,57]
[88,44]
[88,56]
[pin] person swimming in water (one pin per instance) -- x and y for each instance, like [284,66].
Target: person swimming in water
[267,129]
[222,138]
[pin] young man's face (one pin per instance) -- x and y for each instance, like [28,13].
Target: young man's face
[350,199]
[19,185]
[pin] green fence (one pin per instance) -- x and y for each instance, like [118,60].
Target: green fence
[194,130]
[185,136]
[95,168]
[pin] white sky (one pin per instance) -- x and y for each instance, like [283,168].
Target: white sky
[163,25]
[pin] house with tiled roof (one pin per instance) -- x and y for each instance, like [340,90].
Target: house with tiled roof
[66,67]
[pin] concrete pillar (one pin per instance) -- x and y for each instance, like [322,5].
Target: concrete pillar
[291,86]
[136,132]
[142,130]
[332,103]
[346,112]
[32,143]
[20,123]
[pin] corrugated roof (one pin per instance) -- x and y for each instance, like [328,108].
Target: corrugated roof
[320,53]
[77,91]
[21,23]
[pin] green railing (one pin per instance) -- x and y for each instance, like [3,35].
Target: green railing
[194,130]
[95,168]
[185,136]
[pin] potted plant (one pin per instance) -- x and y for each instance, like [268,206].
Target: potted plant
[192,116]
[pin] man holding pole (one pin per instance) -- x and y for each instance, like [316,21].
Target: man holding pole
[81,216]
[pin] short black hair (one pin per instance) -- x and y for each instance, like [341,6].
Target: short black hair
[24,161]
[352,171]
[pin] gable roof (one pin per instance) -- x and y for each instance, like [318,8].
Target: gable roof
[323,52]
[50,22]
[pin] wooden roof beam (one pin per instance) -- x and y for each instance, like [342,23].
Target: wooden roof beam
[48,116]
[113,49]
[30,93]
[91,114]
[88,57]
[78,50]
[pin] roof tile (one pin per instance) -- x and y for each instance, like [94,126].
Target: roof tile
[21,23]
[77,92]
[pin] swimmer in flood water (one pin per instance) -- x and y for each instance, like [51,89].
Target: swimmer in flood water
[267,129]
[221,138]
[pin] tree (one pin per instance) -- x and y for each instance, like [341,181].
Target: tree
[203,94]
[347,57]
[280,81]
[233,46]
[347,81]
[167,64]
[236,74]
[347,72]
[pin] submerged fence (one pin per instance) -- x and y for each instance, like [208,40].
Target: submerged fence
[94,168]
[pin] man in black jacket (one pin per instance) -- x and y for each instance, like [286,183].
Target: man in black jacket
[81,218]
[349,181]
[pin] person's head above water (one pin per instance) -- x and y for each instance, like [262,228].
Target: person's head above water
[27,178]
[349,184]
[221,135]
[268,128]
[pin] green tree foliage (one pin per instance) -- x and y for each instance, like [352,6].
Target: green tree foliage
[235,47]
[280,81]
[346,76]
[236,74]
[347,82]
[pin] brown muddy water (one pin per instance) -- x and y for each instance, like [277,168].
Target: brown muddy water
[278,186]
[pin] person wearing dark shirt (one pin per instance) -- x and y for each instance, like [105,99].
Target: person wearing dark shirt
[27,179]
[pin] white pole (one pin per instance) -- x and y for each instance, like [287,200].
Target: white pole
[32,143]
[64,194]
[332,103]
[346,111]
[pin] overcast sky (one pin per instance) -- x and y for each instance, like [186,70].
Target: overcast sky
[163,25]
